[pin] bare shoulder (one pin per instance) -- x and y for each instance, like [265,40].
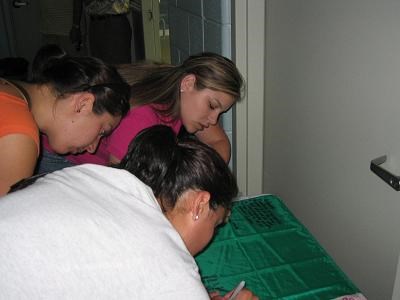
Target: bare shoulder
[9,89]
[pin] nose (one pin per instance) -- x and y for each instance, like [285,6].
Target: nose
[93,146]
[213,118]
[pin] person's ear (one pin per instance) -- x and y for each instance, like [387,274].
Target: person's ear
[188,83]
[83,102]
[200,205]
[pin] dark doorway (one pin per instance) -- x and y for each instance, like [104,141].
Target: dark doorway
[30,24]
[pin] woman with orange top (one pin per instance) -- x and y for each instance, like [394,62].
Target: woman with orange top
[74,102]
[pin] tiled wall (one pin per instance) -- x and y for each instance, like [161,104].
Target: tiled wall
[197,26]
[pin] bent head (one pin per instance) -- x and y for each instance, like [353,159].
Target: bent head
[210,86]
[91,100]
[194,186]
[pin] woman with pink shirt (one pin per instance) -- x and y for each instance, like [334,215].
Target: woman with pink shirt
[192,95]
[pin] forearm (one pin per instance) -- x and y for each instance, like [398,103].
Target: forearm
[216,138]
[223,147]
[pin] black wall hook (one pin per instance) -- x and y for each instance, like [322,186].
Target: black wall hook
[385,175]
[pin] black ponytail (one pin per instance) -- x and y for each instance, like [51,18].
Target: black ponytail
[65,74]
[43,58]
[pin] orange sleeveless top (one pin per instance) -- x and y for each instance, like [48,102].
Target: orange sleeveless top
[15,117]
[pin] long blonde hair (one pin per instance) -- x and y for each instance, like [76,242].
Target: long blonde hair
[160,83]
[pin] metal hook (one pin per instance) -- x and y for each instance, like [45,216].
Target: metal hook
[385,175]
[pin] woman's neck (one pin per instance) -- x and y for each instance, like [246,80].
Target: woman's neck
[41,103]
[180,222]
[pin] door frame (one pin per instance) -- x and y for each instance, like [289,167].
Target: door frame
[151,29]
[249,49]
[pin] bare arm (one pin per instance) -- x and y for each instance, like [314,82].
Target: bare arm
[18,155]
[215,137]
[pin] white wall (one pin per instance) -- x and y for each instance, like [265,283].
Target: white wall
[332,105]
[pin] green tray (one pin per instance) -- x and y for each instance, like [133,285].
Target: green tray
[265,245]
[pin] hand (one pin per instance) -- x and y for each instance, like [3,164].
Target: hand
[75,36]
[244,294]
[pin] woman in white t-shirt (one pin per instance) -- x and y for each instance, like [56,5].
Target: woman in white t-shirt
[95,232]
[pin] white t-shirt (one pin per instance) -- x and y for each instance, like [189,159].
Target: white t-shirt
[92,232]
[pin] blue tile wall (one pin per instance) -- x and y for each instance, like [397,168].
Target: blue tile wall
[196,39]
[172,2]
[200,25]
[193,6]
[179,28]
[226,42]
[213,36]
[217,10]
[226,121]
[175,56]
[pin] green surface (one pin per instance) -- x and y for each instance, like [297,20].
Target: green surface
[265,245]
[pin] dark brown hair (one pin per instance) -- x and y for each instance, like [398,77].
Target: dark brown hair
[66,75]
[171,167]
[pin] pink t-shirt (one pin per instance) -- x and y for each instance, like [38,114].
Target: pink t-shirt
[117,143]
